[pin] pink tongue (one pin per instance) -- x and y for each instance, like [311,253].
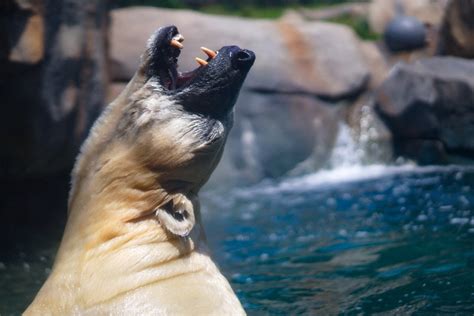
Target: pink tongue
[184,77]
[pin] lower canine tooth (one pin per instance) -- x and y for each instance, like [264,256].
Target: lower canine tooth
[201,62]
[176,44]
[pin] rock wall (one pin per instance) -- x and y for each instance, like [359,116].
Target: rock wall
[53,61]
[53,79]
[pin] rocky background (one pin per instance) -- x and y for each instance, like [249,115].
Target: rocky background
[312,76]
[313,79]
[53,84]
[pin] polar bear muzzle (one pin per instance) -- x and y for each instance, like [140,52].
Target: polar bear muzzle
[212,88]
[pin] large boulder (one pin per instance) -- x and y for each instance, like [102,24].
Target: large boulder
[379,67]
[286,108]
[274,134]
[429,108]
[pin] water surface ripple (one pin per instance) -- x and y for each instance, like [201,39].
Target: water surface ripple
[393,241]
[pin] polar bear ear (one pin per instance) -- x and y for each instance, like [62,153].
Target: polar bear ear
[177,216]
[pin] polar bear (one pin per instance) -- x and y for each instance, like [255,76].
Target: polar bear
[134,242]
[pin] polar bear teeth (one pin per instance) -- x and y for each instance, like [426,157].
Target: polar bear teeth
[209,52]
[177,40]
[176,44]
[201,61]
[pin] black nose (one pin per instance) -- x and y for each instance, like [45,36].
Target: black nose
[243,59]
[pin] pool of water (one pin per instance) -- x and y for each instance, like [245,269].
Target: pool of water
[387,240]
[394,241]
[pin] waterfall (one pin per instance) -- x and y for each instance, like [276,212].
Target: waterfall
[362,145]
[347,151]
[341,143]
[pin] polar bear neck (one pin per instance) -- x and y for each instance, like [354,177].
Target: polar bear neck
[113,243]
[111,223]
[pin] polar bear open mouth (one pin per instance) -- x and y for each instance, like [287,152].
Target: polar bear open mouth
[164,48]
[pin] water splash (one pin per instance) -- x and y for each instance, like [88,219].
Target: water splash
[347,151]
[363,145]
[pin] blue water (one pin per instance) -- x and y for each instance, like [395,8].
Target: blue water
[350,242]
[357,241]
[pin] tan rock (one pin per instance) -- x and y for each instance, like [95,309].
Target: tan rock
[357,9]
[29,48]
[376,62]
[23,32]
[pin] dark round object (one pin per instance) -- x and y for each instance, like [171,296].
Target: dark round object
[405,33]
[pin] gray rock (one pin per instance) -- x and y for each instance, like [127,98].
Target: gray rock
[274,135]
[430,104]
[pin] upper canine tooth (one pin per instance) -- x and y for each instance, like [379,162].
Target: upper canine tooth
[209,52]
[201,62]
[176,44]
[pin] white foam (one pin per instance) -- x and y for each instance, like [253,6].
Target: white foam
[345,174]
